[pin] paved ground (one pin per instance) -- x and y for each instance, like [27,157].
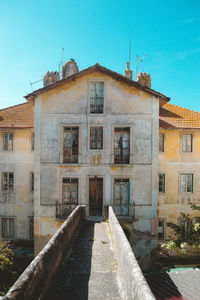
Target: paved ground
[91,271]
[175,284]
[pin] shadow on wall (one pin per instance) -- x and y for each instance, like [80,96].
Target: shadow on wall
[72,279]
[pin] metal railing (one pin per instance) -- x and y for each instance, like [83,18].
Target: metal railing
[70,155]
[64,210]
[96,105]
[121,155]
[125,212]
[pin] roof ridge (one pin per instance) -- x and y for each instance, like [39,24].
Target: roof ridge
[181,107]
[98,67]
[14,106]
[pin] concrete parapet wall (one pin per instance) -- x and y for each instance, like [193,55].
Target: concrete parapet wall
[131,275]
[37,278]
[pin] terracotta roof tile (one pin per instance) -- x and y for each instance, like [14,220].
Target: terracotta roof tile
[18,116]
[173,116]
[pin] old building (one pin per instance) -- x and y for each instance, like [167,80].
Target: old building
[179,165]
[17,172]
[95,142]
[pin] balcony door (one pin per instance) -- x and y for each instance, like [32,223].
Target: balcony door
[96,196]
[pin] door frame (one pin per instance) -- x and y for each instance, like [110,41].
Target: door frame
[88,192]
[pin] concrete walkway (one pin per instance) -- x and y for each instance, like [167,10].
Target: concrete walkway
[91,271]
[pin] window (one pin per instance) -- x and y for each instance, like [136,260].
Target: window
[31,227]
[96,97]
[31,182]
[7,182]
[96,138]
[162,183]
[122,145]
[8,227]
[8,141]
[187,143]
[121,196]
[32,141]
[70,191]
[161,229]
[186,226]
[70,145]
[186,183]
[161,142]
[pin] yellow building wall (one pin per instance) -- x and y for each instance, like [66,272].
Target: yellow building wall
[173,162]
[20,161]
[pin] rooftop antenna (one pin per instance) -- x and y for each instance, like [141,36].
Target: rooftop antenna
[130,52]
[62,59]
[31,83]
[141,60]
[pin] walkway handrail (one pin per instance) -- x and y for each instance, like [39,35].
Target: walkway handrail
[37,278]
[133,281]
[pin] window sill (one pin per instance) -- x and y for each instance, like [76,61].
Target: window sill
[69,164]
[7,151]
[7,192]
[122,165]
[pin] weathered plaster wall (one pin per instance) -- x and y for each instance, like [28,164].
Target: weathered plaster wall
[133,281]
[173,162]
[18,204]
[68,105]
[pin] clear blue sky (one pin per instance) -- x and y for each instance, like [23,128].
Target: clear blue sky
[32,34]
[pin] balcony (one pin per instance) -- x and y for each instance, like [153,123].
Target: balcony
[121,155]
[64,210]
[96,105]
[70,155]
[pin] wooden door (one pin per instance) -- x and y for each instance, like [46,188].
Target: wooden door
[96,196]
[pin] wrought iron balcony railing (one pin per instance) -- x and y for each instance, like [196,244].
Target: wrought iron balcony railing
[64,210]
[70,155]
[96,105]
[121,155]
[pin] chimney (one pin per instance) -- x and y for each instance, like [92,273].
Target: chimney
[70,68]
[128,72]
[50,77]
[144,79]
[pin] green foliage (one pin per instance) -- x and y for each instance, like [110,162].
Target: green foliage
[185,234]
[6,255]
[7,273]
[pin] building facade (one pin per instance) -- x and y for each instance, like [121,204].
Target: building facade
[96,142]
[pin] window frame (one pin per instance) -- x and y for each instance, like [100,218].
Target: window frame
[32,141]
[186,192]
[162,192]
[78,151]
[163,142]
[192,144]
[163,229]
[31,230]
[102,138]
[122,127]
[71,179]
[14,227]
[186,223]
[125,180]
[97,81]
[3,141]
[2,184]
[31,182]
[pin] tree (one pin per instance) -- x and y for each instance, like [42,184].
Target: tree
[6,266]
[186,233]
